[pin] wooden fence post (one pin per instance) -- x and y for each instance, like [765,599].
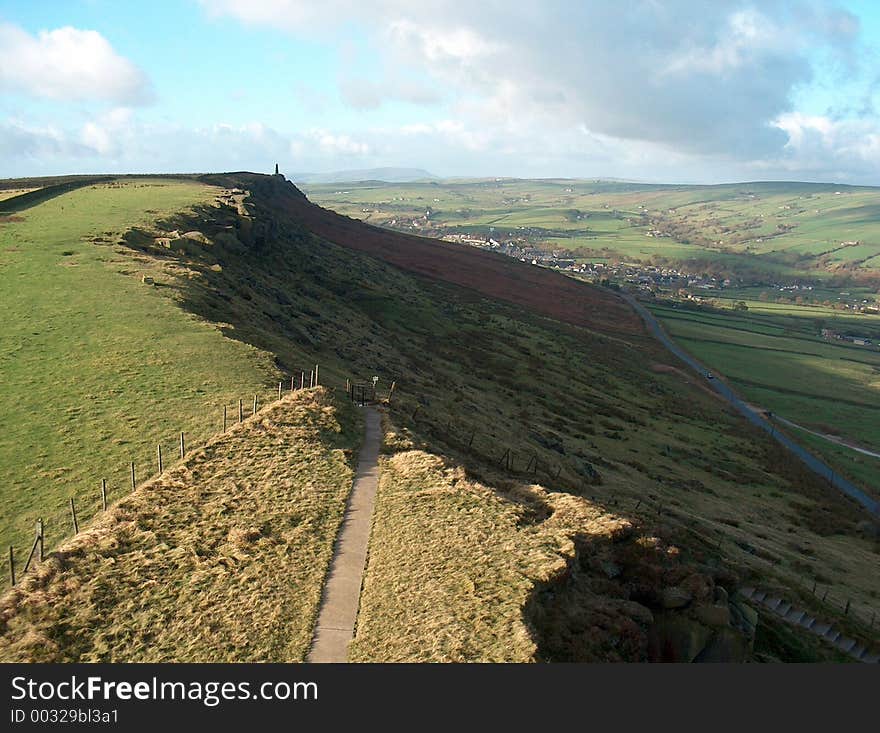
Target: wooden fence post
[292,383]
[558,471]
[133,482]
[159,457]
[12,564]
[311,378]
[182,447]
[255,406]
[73,516]
[104,494]
[302,380]
[38,541]
[416,412]
[846,610]
[391,392]
[316,375]
[471,441]
[224,418]
[240,412]
[280,387]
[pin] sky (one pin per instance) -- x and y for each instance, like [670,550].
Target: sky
[654,90]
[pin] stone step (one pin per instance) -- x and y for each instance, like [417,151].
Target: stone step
[807,622]
[800,617]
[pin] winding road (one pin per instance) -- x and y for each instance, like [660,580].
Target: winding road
[754,417]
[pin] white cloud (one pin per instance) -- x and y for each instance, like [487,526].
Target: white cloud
[335,145]
[704,79]
[68,64]
[364,94]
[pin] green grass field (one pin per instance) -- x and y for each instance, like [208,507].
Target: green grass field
[776,358]
[765,229]
[97,367]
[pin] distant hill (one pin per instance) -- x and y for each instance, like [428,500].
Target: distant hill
[388,175]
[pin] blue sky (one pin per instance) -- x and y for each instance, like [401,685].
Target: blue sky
[665,90]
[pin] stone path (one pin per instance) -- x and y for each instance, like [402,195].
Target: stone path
[801,618]
[342,588]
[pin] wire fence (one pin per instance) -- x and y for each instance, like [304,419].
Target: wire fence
[139,475]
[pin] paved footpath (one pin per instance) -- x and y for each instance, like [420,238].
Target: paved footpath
[342,588]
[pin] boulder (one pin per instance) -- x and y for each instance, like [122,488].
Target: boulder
[743,618]
[714,616]
[726,645]
[675,597]
[676,638]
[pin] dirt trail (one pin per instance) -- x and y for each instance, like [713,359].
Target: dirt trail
[342,589]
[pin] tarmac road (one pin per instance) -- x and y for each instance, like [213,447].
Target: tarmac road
[754,417]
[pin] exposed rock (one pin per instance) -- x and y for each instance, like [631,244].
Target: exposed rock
[714,616]
[743,618]
[719,595]
[637,612]
[676,638]
[675,597]
[699,586]
[726,645]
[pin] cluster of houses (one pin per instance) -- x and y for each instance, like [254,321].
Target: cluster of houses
[830,335]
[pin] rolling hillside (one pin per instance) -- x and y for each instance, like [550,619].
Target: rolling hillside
[550,479]
[762,231]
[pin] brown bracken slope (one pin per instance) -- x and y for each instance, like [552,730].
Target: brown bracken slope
[494,275]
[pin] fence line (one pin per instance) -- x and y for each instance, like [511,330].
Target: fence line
[865,615]
[39,540]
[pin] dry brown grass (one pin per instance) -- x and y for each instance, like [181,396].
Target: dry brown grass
[221,559]
[453,563]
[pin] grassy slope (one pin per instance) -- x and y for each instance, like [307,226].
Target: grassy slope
[422,601]
[97,367]
[507,375]
[730,502]
[220,559]
[731,225]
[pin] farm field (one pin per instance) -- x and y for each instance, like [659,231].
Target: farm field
[751,230]
[97,367]
[775,357]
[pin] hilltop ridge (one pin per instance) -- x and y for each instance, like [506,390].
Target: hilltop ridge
[565,483]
